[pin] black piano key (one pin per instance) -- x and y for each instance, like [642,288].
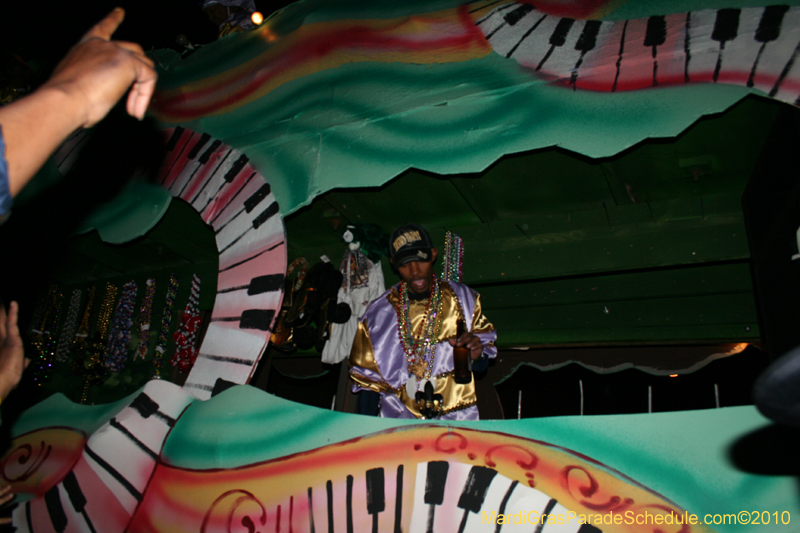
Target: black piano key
[588,37]
[557,38]
[398,501]
[230,202]
[236,168]
[329,491]
[543,518]
[257,319]
[475,489]
[257,197]
[52,500]
[173,139]
[525,36]
[258,285]
[726,27]
[74,492]
[656,33]
[77,498]
[268,213]
[209,152]
[204,138]
[436,481]
[263,217]
[311,511]
[376,499]
[769,29]
[478,481]
[145,405]
[499,27]
[518,14]
[204,160]
[349,504]
[262,284]
[587,41]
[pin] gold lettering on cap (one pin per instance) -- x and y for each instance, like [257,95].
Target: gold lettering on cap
[406,238]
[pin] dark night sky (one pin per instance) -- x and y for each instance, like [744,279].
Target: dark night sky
[44,30]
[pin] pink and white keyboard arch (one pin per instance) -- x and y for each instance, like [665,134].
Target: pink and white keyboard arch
[233,198]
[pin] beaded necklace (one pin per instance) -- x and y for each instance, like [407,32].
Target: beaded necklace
[145,312]
[64,346]
[120,335]
[420,348]
[453,269]
[186,336]
[166,320]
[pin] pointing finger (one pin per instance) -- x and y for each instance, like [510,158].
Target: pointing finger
[106,27]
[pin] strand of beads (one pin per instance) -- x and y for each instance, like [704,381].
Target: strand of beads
[120,335]
[166,320]
[453,268]
[105,309]
[43,338]
[68,331]
[185,337]
[420,348]
[81,336]
[143,321]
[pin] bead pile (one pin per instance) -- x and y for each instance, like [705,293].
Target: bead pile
[42,339]
[106,309]
[420,348]
[453,268]
[68,330]
[145,312]
[166,320]
[120,335]
[186,336]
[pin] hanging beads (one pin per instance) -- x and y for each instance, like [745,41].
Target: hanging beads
[186,336]
[105,309]
[453,268]
[64,346]
[120,335]
[166,320]
[145,312]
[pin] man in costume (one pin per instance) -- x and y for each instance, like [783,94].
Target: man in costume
[406,337]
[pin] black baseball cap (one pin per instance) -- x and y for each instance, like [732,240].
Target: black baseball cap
[410,242]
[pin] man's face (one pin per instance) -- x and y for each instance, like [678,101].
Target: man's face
[419,274]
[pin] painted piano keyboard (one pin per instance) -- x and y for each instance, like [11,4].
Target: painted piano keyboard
[236,201]
[754,47]
[414,479]
[111,473]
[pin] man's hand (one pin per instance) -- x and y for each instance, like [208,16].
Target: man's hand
[98,71]
[6,496]
[473,342]
[12,354]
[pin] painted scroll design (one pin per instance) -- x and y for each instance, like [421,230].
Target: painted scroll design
[331,485]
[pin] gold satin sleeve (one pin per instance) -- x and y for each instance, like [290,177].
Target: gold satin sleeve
[362,355]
